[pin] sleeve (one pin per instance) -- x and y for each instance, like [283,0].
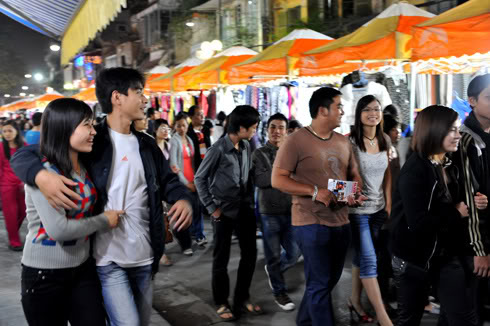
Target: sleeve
[204,173]
[26,163]
[422,211]
[175,153]
[58,226]
[172,190]
[288,155]
[262,169]
[474,226]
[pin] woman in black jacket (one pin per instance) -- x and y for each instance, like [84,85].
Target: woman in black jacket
[425,204]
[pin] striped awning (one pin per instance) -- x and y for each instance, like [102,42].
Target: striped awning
[50,17]
[74,22]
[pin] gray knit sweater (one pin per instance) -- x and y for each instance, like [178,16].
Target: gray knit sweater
[58,238]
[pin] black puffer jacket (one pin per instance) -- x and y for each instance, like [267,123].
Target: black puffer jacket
[162,183]
[422,211]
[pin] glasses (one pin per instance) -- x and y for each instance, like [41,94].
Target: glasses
[164,128]
[377,110]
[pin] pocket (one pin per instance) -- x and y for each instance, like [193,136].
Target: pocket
[37,281]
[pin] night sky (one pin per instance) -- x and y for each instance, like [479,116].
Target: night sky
[29,45]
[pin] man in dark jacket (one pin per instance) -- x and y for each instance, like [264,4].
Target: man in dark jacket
[129,172]
[199,133]
[275,212]
[224,188]
[474,160]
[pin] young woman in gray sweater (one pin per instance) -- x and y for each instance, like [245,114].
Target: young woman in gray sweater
[59,280]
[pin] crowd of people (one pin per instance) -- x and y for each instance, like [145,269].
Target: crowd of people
[103,196]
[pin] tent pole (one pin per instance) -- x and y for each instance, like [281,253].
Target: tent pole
[413,78]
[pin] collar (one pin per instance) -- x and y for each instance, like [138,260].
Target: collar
[472,123]
[271,146]
[228,145]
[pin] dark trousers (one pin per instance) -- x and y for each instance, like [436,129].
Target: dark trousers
[412,289]
[245,226]
[457,288]
[51,297]
[324,249]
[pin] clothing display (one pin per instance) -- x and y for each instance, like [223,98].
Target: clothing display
[352,94]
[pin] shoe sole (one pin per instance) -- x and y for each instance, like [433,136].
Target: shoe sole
[287,307]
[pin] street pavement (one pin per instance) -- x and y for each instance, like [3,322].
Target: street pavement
[182,292]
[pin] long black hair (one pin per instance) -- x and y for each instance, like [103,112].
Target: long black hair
[18,141]
[60,119]
[357,132]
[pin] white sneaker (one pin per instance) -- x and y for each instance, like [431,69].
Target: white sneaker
[188,252]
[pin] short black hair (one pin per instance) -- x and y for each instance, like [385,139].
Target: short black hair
[322,97]
[391,110]
[157,123]
[116,79]
[477,85]
[192,110]
[150,112]
[389,122]
[180,116]
[278,116]
[221,117]
[208,123]
[36,119]
[293,124]
[60,119]
[242,116]
[431,127]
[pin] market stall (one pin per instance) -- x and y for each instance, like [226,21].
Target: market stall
[278,60]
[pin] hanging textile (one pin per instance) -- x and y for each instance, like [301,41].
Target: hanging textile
[203,103]
[212,104]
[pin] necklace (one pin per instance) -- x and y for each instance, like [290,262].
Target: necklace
[372,141]
[322,138]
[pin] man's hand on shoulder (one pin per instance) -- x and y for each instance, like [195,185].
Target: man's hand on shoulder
[55,188]
[181,215]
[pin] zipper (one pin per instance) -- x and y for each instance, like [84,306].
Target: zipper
[431,195]
[435,244]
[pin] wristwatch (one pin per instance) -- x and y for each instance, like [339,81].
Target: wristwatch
[315,193]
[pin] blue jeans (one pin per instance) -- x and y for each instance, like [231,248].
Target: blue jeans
[197,226]
[365,231]
[277,232]
[128,294]
[324,249]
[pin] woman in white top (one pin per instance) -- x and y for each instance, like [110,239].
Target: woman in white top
[371,147]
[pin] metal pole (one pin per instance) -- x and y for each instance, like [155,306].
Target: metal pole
[220,22]
[413,82]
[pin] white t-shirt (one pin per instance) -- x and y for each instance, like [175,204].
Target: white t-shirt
[127,245]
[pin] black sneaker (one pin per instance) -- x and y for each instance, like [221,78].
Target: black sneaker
[284,302]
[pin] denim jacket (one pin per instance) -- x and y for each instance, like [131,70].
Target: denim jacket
[221,180]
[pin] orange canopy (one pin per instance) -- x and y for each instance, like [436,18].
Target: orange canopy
[86,95]
[37,102]
[17,105]
[166,81]
[213,72]
[278,59]
[385,37]
[463,30]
